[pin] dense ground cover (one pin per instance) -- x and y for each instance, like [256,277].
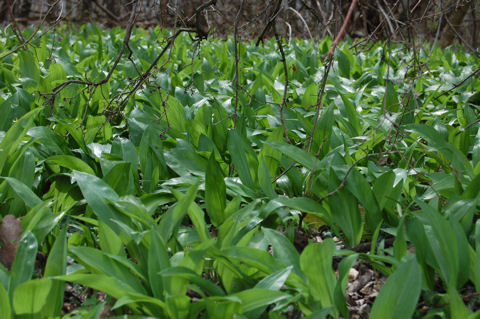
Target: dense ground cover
[184,193]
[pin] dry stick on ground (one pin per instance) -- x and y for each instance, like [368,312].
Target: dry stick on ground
[285,88]
[237,60]
[342,29]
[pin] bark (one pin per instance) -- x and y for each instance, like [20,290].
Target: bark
[454,20]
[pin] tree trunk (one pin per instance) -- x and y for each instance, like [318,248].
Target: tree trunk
[454,20]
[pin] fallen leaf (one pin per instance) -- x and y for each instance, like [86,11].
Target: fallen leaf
[10,232]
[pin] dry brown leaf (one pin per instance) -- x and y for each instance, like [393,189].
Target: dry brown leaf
[10,232]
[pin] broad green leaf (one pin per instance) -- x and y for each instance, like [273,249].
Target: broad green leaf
[14,136]
[104,264]
[98,194]
[152,161]
[23,191]
[316,263]
[444,245]
[184,160]
[172,218]
[215,192]
[29,66]
[255,298]
[156,307]
[56,266]
[345,213]
[343,64]
[197,216]
[239,159]
[115,287]
[264,178]
[297,154]
[157,261]
[399,295]
[31,296]
[24,263]
[223,307]
[276,280]
[5,303]
[254,257]
[283,249]
[188,274]
[437,143]
[40,220]
[71,162]
[303,204]
[109,241]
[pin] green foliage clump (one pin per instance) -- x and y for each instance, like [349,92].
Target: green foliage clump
[179,194]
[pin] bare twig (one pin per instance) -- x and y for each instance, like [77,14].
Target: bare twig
[342,29]
[237,60]
[285,87]
[270,22]
[303,20]
[327,67]
[30,38]
[107,12]
[458,84]
[344,180]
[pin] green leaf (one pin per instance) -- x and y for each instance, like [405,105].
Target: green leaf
[276,280]
[343,64]
[316,263]
[98,194]
[255,298]
[296,154]
[56,266]
[105,264]
[40,220]
[24,263]
[283,249]
[14,136]
[30,297]
[399,295]
[171,220]
[23,191]
[345,212]
[71,162]
[115,287]
[188,274]
[215,192]
[264,178]
[5,303]
[239,159]
[157,260]
[29,66]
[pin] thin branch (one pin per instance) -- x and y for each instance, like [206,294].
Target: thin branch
[107,12]
[458,84]
[344,180]
[303,20]
[342,29]
[285,87]
[27,42]
[237,60]
[277,10]
[327,66]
